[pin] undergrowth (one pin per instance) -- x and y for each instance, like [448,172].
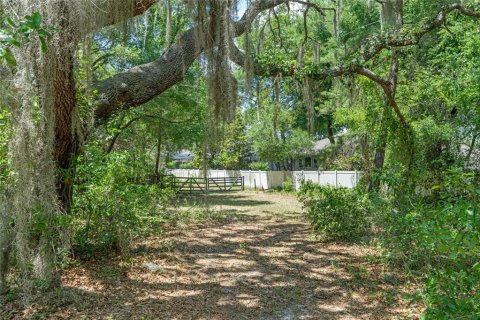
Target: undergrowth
[336,213]
[433,237]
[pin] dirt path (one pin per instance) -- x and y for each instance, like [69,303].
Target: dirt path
[260,263]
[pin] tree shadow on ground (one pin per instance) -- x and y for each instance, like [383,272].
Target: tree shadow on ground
[248,269]
[224,199]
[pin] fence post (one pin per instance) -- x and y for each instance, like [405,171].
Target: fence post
[356,178]
[336,179]
[243,183]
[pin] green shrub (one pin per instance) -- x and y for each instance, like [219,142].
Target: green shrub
[336,213]
[439,241]
[171,165]
[287,186]
[259,166]
[111,207]
[187,165]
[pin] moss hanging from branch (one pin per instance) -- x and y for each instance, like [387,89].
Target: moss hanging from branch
[248,64]
[168,24]
[215,35]
[44,121]
[306,86]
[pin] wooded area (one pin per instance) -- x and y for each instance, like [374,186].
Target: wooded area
[100,97]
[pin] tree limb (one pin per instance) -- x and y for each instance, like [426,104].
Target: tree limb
[314,6]
[375,45]
[110,12]
[252,12]
[142,83]
[132,121]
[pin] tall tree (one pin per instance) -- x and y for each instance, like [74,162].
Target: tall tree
[47,81]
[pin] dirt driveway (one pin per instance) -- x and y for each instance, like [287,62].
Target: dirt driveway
[260,262]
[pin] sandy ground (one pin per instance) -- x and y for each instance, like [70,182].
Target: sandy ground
[261,262]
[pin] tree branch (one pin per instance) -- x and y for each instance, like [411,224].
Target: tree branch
[132,121]
[314,6]
[110,12]
[252,12]
[375,45]
[144,82]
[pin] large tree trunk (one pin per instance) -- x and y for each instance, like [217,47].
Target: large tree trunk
[66,144]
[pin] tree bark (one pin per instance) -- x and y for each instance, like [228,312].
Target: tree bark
[66,144]
[330,133]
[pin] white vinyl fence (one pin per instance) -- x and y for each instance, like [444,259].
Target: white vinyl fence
[345,179]
[264,180]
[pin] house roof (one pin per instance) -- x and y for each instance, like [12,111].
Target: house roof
[321,144]
[183,155]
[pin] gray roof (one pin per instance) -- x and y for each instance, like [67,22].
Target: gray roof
[182,155]
[321,144]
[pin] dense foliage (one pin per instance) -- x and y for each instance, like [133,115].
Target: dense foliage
[17,33]
[433,238]
[437,238]
[336,213]
[115,204]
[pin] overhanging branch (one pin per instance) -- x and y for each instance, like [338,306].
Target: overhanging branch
[142,83]
[375,45]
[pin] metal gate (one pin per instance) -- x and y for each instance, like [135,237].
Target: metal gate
[202,185]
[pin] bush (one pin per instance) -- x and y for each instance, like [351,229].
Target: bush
[287,186]
[439,241]
[171,165]
[259,166]
[187,165]
[336,213]
[111,207]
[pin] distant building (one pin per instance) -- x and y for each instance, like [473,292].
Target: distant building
[181,157]
[309,161]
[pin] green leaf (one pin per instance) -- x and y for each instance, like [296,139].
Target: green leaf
[43,44]
[12,41]
[36,20]
[10,58]
[10,22]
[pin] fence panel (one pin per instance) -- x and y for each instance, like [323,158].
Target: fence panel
[264,180]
